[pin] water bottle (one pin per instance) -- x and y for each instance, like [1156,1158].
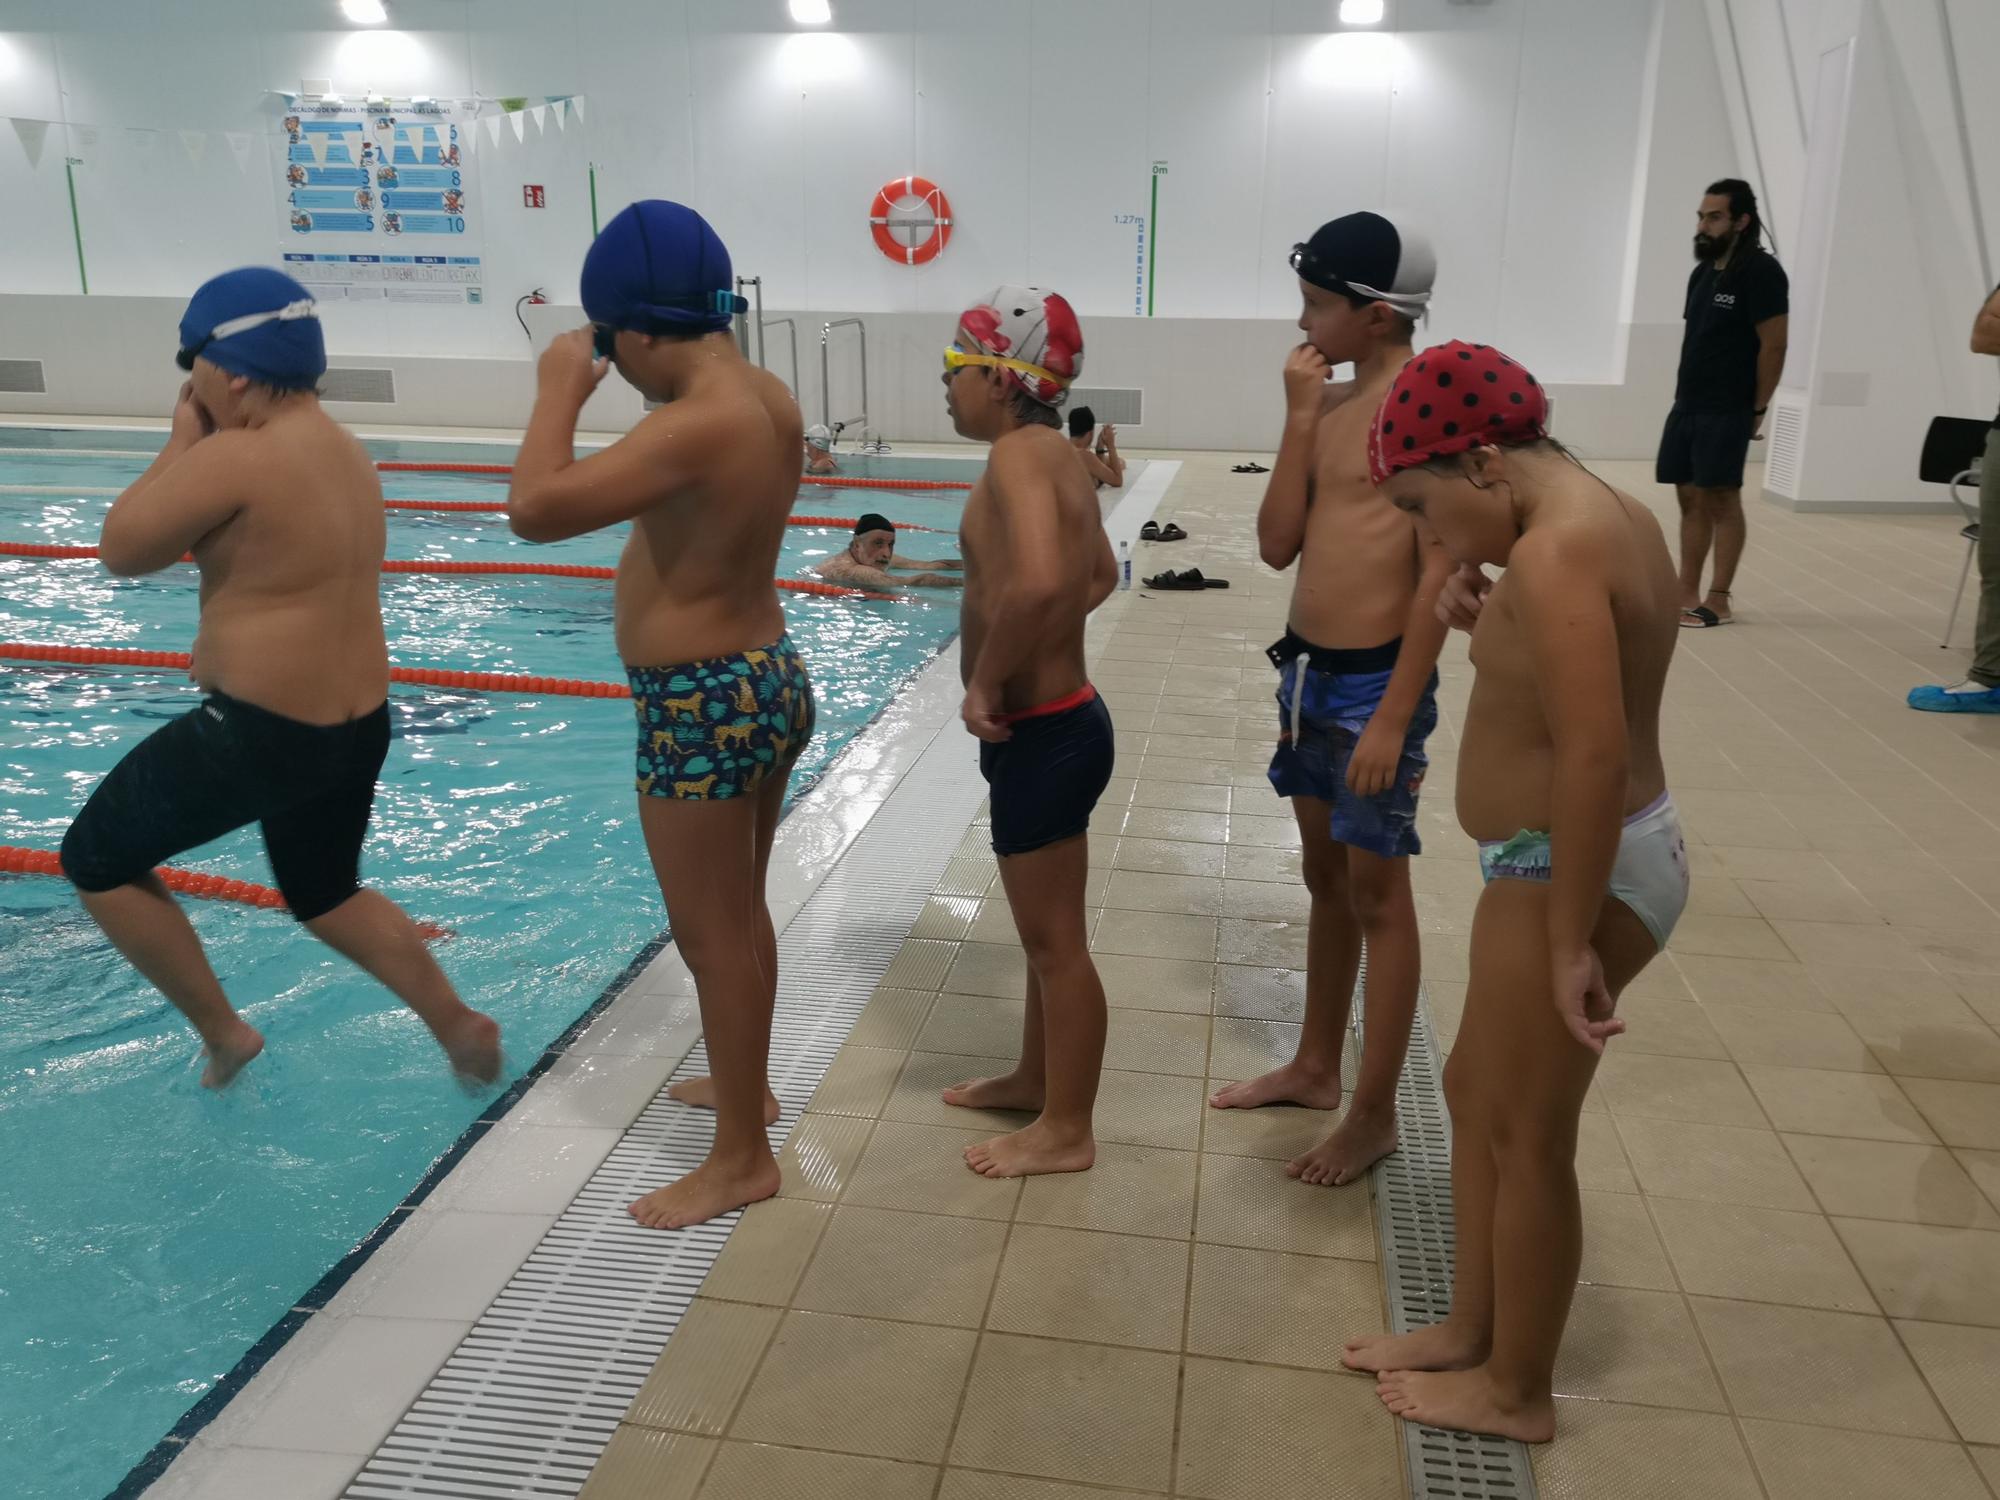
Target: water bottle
[1124,565]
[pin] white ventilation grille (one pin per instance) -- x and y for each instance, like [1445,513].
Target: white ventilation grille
[1123,404]
[375,387]
[1787,442]
[22,377]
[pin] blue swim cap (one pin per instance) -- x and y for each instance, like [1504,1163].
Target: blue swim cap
[257,323]
[659,268]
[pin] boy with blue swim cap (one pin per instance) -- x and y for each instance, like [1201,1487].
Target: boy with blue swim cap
[723,702]
[283,513]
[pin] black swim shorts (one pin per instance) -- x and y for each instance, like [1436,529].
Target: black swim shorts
[1047,778]
[229,763]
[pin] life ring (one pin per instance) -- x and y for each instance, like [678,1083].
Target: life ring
[933,199]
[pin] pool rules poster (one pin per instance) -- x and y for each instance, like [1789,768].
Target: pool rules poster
[378,202]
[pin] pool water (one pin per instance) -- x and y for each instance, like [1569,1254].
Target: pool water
[159,1230]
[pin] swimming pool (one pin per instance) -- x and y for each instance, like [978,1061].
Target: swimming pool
[161,1230]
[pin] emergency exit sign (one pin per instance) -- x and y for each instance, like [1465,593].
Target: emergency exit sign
[532,196]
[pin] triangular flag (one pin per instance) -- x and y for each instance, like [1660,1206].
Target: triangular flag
[560,108]
[541,114]
[576,104]
[520,123]
[195,143]
[492,124]
[239,144]
[317,143]
[141,139]
[469,143]
[32,133]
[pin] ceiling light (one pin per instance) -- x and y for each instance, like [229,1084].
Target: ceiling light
[811,12]
[364,12]
[1360,12]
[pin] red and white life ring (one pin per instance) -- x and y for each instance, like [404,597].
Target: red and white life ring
[932,212]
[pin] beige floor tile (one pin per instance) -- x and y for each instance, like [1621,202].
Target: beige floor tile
[1676,1088]
[1069,1411]
[1793,1039]
[1152,1041]
[1261,831]
[1135,983]
[1669,1028]
[1713,1163]
[1271,944]
[1150,1109]
[987,969]
[1249,1432]
[1984,1169]
[1720,982]
[1827,900]
[854,1385]
[972,1026]
[915,1267]
[994,923]
[1728,937]
[1245,1048]
[1169,856]
[1090,1286]
[1623,1344]
[1152,934]
[922,1169]
[820,1156]
[1963,1114]
[695,1383]
[1601,1163]
[1620,1245]
[1250,1202]
[1815,1102]
[1928,1271]
[1891,1180]
[758,1471]
[766,1252]
[1183,796]
[892,1019]
[1278,1131]
[1920,1050]
[1277,1309]
[1265,901]
[1988,1460]
[967,1484]
[1720,896]
[642,1463]
[1132,1190]
[1607,1451]
[1183,895]
[1796,1364]
[1260,994]
[920,965]
[857,1081]
[1759,1255]
[1975,951]
[1278,866]
[1813,1463]
[1838,945]
[1959,1363]
[915,1100]
[946,918]
[1875,998]
[1176,823]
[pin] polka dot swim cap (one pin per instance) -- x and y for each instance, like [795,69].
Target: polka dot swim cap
[1452,399]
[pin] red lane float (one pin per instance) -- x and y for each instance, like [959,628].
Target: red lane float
[15,860]
[493,508]
[485,682]
[387,467]
[839,482]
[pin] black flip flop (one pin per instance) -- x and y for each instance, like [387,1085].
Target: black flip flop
[1172,582]
[1248,469]
[1701,617]
[1150,532]
[1171,532]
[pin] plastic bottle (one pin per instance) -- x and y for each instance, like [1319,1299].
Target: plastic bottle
[1124,565]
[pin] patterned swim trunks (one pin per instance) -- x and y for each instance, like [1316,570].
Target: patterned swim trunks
[716,728]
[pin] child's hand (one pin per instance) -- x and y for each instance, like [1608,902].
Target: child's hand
[1583,1001]
[191,421]
[570,364]
[1463,596]
[1371,770]
[981,712]
[1306,371]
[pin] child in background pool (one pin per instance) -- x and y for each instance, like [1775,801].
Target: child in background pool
[724,706]
[1560,779]
[283,513]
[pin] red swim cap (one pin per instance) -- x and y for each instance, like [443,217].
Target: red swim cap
[1452,399]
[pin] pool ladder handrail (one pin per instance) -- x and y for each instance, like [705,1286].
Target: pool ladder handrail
[791,327]
[826,375]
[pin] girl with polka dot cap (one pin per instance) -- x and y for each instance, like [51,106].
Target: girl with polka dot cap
[1561,782]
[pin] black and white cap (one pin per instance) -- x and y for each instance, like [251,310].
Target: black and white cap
[1371,256]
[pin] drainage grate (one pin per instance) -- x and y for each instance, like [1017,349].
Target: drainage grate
[528,1401]
[1413,1210]
[22,377]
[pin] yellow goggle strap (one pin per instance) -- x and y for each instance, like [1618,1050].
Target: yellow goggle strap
[956,358]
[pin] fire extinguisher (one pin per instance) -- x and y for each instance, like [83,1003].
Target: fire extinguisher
[536,298]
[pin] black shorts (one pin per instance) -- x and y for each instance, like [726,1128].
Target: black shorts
[1046,780]
[1706,449]
[226,764]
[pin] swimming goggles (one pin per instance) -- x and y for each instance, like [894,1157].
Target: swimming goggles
[290,312]
[603,336]
[1311,268]
[956,359]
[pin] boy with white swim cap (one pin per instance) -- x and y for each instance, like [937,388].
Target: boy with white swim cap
[283,513]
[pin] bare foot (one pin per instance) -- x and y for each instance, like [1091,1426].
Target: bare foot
[1438,1347]
[1032,1151]
[1466,1401]
[473,1044]
[1357,1143]
[229,1056]
[700,1092]
[1294,1083]
[709,1191]
[1011,1091]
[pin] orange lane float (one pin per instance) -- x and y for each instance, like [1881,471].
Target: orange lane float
[493,508]
[839,482]
[484,682]
[15,860]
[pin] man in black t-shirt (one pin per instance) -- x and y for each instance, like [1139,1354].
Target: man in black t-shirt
[1732,353]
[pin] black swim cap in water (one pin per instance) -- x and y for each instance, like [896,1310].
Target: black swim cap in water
[873,522]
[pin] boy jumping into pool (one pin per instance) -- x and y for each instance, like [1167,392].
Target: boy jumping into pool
[1356,683]
[283,513]
[1562,784]
[1037,562]
[723,703]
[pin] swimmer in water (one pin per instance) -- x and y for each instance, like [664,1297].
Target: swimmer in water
[283,513]
[1037,562]
[1560,780]
[865,562]
[724,706]
[819,450]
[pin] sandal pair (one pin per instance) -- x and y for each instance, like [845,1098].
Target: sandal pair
[1152,531]
[1190,581]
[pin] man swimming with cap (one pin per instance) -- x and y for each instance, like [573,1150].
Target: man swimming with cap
[723,703]
[866,562]
[1561,781]
[1037,562]
[283,513]
[1356,682]
[819,450]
